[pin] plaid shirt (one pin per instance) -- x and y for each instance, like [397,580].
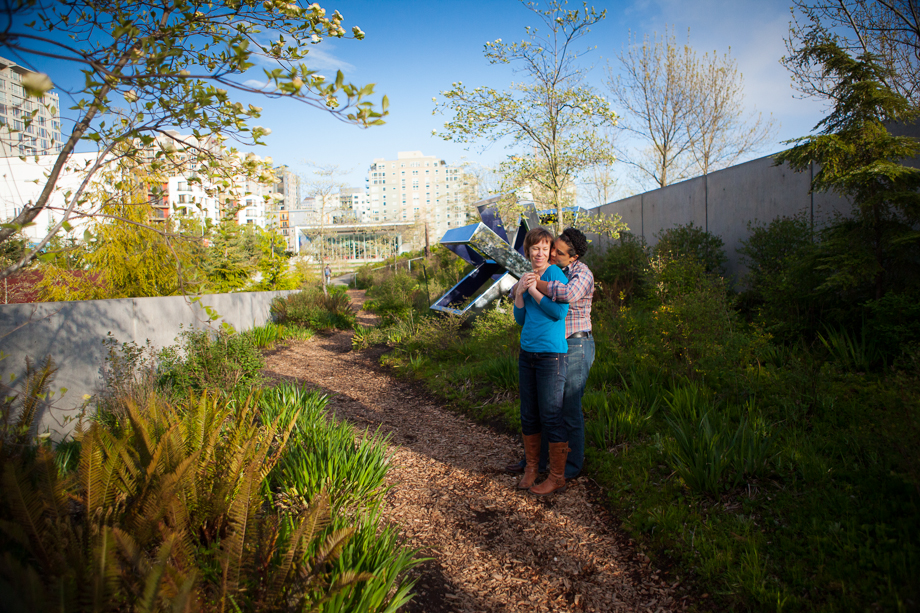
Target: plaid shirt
[578,292]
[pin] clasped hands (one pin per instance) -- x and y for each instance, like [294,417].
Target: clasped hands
[528,282]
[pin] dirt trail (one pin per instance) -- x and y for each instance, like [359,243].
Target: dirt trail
[493,549]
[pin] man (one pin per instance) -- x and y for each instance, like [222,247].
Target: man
[571,245]
[327,273]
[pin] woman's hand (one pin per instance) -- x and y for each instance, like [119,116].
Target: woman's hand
[534,292]
[529,279]
[519,289]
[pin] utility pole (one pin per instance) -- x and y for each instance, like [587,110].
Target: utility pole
[427,246]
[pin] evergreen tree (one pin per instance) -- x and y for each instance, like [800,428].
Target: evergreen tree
[274,263]
[231,257]
[861,160]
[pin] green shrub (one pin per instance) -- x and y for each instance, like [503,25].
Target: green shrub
[710,453]
[395,297]
[623,271]
[783,279]
[692,242]
[324,456]
[331,459]
[695,332]
[495,327]
[314,309]
[893,322]
[204,360]
[852,352]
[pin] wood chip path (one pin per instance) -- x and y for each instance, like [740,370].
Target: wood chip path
[492,548]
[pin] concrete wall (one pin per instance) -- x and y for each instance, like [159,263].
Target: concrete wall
[725,201]
[72,333]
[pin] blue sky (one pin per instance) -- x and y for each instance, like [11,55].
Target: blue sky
[413,50]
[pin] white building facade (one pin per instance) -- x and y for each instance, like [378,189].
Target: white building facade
[22,182]
[422,189]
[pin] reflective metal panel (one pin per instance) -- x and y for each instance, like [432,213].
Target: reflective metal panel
[499,264]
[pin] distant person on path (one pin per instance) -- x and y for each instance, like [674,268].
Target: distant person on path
[571,245]
[541,366]
[327,273]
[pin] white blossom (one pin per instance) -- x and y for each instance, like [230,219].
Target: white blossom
[36,83]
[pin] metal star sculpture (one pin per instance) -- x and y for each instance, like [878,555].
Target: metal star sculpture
[499,262]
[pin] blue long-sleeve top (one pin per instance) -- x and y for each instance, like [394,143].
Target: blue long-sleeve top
[544,322]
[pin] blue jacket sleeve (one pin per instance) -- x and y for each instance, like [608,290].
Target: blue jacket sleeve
[519,315]
[554,310]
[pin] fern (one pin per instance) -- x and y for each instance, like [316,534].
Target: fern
[28,507]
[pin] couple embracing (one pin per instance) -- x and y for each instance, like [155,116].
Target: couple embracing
[553,306]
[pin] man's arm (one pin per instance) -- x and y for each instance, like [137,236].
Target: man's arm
[580,285]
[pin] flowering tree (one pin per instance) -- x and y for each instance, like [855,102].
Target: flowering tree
[152,66]
[550,114]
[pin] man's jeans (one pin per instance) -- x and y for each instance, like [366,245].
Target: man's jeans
[542,384]
[578,365]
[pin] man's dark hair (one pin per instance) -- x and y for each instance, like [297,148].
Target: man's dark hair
[576,240]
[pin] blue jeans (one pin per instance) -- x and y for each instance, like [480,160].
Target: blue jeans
[542,384]
[578,365]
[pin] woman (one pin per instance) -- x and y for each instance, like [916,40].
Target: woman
[541,366]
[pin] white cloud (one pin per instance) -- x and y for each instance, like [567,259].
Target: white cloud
[320,58]
[257,84]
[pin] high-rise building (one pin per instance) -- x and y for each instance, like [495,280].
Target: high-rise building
[354,203]
[21,132]
[416,187]
[287,199]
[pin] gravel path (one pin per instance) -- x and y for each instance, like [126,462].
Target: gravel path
[492,548]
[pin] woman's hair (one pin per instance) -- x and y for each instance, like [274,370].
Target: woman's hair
[534,237]
[576,240]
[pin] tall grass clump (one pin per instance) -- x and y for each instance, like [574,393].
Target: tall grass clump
[349,468]
[314,309]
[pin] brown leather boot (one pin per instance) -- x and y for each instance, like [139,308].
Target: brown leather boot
[555,482]
[532,454]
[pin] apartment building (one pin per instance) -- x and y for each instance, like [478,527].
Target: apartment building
[419,188]
[188,191]
[21,133]
[287,198]
[354,205]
